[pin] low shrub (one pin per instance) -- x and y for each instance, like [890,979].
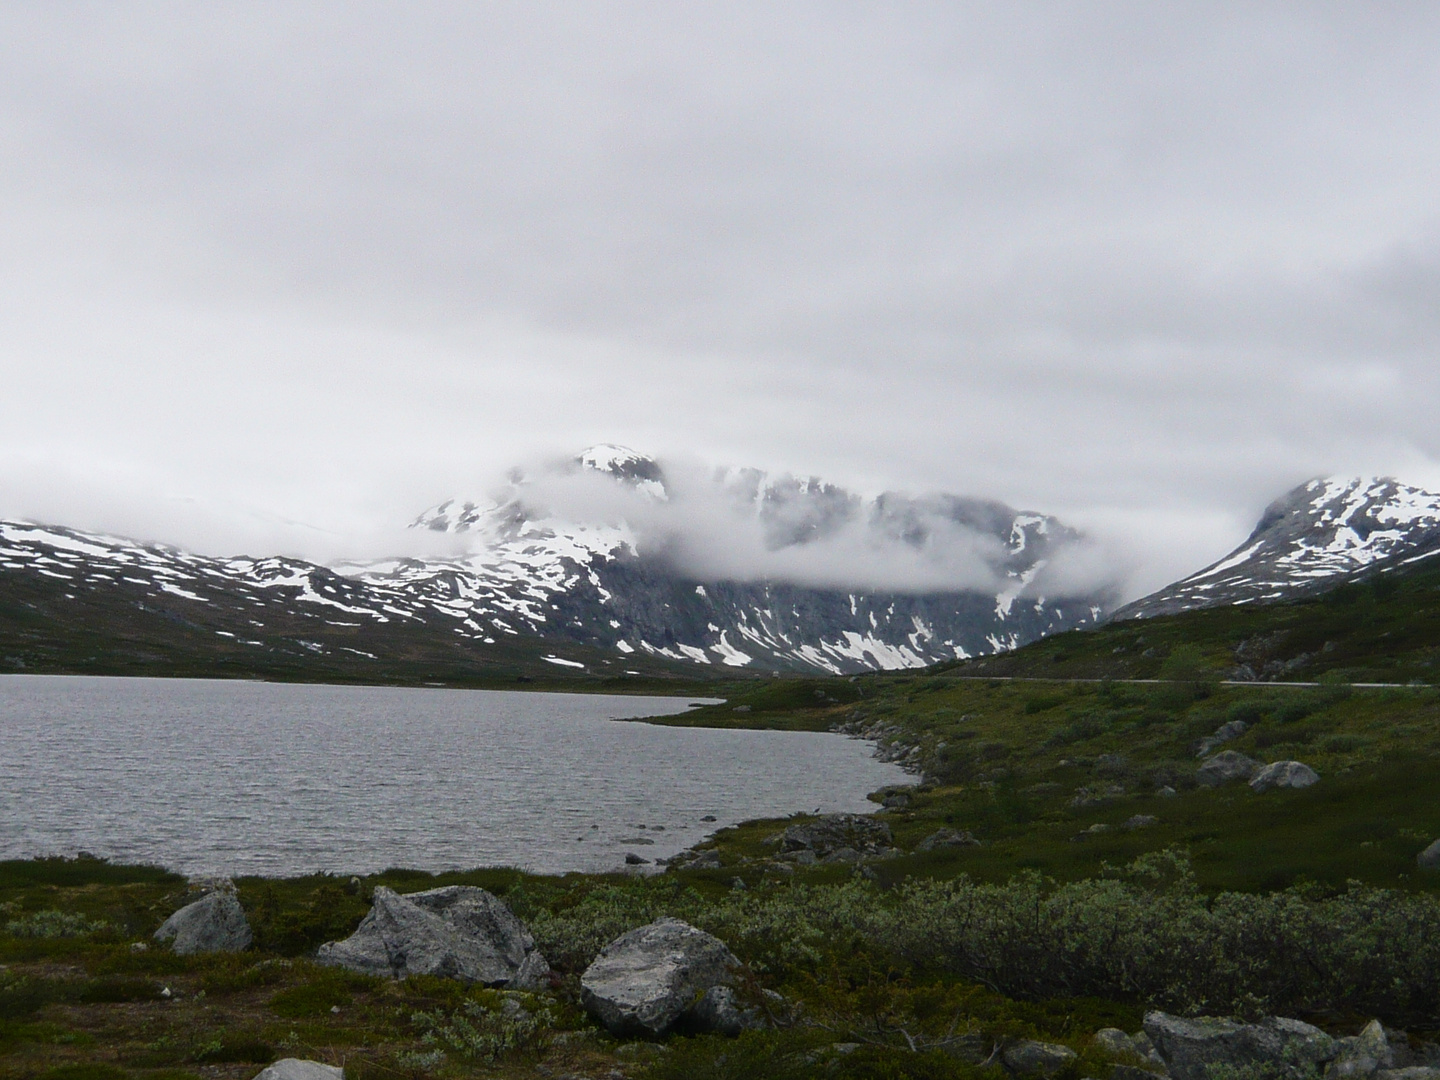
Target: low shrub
[54,924]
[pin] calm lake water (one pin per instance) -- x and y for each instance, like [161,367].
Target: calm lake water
[228,777]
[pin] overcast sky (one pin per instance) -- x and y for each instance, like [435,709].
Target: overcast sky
[286,273]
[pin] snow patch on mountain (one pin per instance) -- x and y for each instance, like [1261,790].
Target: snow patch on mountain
[1315,537]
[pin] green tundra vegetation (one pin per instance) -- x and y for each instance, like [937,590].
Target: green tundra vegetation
[1104,879]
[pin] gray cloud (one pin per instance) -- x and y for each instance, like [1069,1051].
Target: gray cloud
[1140,266]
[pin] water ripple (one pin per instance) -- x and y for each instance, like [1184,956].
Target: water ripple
[209,776]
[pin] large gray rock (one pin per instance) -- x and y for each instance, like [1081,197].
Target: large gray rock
[214,923]
[1226,766]
[837,832]
[1190,1047]
[459,932]
[299,1069]
[1031,1058]
[1429,859]
[1284,774]
[661,976]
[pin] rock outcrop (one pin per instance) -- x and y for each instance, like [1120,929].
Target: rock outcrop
[214,923]
[838,836]
[664,976]
[1284,774]
[459,932]
[1192,1047]
[1226,766]
[300,1069]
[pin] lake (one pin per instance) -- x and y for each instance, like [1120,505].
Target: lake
[230,777]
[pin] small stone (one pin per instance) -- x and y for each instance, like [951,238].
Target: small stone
[1284,774]
[1140,821]
[1114,1041]
[708,817]
[1166,792]
[300,1069]
[1032,1058]
[1233,730]
[631,859]
[896,802]
[1429,859]
[1226,766]
[947,838]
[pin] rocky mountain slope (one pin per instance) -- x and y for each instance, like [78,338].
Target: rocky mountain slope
[516,574]
[528,570]
[1315,537]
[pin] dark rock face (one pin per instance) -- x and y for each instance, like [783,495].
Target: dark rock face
[459,932]
[1192,1047]
[214,923]
[1311,539]
[664,975]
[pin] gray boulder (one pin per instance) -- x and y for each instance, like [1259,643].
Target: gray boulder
[1190,1047]
[947,838]
[1429,859]
[1114,1042]
[1362,1056]
[1226,766]
[1223,734]
[459,932]
[1117,1044]
[662,976]
[1410,1072]
[214,923]
[1031,1058]
[299,1069]
[834,832]
[1284,774]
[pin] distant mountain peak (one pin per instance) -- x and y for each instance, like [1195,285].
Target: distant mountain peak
[1314,537]
[638,470]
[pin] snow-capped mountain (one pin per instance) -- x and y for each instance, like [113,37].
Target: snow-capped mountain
[608,579]
[1311,539]
[528,570]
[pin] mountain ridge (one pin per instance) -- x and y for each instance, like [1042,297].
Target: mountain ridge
[521,574]
[1314,537]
